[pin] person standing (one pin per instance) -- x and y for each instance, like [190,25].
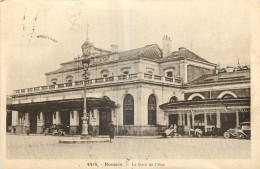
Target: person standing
[27,131]
[14,129]
[111,131]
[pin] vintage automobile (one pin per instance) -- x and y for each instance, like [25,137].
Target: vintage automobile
[245,131]
[242,131]
[55,130]
[48,130]
[172,131]
[232,132]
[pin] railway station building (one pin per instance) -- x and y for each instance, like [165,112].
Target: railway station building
[142,91]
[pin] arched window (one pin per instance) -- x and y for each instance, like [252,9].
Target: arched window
[173,99]
[227,96]
[69,79]
[104,73]
[128,110]
[54,81]
[196,98]
[152,110]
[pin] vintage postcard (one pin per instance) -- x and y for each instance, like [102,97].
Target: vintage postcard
[130,84]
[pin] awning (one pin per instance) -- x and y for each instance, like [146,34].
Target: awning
[207,106]
[92,103]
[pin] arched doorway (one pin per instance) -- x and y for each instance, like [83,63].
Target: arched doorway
[151,110]
[173,118]
[128,110]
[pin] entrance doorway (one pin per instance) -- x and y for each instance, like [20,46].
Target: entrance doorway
[48,119]
[173,119]
[104,119]
[65,120]
[33,122]
[228,120]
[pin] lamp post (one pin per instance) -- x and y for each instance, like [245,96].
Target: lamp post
[84,134]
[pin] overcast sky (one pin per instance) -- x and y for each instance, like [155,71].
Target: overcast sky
[218,32]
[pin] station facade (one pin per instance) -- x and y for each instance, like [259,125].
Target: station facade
[142,91]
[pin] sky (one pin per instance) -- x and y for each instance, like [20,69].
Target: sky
[36,36]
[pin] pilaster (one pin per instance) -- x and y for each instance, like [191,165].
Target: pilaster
[237,118]
[40,122]
[74,122]
[56,117]
[218,120]
[205,121]
[14,118]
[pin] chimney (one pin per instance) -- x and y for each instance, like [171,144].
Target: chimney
[216,70]
[167,45]
[182,48]
[114,48]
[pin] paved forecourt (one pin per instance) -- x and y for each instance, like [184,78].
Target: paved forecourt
[48,147]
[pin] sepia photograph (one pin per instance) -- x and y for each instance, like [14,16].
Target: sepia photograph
[129,84]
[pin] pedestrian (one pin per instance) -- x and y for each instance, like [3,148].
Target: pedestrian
[14,129]
[111,131]
[27,131]
[90,130]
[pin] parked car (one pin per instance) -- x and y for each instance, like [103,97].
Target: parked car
[245,131]
[48,130]
[55,130]
[232,132]
[172,131]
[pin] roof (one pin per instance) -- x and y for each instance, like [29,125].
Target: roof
[150,51]
[92,102]
[207,105]
[184,53]
[242,75]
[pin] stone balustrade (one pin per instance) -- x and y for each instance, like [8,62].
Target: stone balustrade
[98,81]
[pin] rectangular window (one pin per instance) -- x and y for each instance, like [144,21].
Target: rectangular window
[169,74]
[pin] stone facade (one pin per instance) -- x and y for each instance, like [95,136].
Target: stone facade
[139,73]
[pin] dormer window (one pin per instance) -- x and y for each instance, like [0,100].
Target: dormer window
[69,79]
[54,81]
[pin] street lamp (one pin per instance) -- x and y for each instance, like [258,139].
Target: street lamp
[84,134]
